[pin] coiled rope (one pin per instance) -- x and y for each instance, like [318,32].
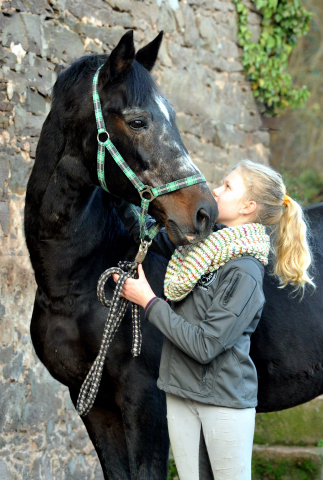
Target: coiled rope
[117,307]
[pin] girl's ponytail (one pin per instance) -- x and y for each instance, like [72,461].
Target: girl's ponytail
[293,256]
[265,186]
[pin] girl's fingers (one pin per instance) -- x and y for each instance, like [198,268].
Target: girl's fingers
[141,272]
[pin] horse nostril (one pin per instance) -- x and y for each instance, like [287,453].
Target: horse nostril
[202,220]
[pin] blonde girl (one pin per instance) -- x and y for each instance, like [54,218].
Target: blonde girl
[214,292]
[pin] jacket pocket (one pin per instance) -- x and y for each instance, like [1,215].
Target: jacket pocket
[229,380]
[205,369]
[231,288]
[184,372]
[165,362]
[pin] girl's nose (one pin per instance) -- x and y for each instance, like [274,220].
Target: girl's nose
[215,192]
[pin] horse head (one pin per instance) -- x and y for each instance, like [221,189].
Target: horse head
[141,124]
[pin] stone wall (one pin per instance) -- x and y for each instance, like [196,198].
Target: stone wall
[200,72]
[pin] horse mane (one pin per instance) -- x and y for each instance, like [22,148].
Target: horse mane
[139,83]
[81,68]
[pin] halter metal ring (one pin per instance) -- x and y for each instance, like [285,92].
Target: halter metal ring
[98,136]
[147,190]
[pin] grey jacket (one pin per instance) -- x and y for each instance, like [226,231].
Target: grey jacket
[205,354]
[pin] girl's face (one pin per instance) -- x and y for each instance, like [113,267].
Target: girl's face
[232,201]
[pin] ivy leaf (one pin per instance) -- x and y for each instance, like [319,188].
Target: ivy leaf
[271,42]
[273,3]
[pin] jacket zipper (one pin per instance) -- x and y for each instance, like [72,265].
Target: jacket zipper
[231,290]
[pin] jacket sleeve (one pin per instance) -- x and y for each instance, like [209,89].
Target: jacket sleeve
[161,243]
[225,321]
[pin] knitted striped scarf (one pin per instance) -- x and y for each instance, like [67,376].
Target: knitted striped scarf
[190,262]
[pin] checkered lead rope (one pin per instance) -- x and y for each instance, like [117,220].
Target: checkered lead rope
[117,307]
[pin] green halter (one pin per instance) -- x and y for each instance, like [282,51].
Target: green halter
[146,192]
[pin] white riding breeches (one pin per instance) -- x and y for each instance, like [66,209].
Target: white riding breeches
[210,442]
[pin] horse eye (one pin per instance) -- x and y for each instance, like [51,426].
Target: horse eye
[136,124]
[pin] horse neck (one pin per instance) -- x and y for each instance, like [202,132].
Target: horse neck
[73,232]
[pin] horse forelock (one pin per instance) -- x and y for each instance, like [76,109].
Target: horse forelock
[140,86]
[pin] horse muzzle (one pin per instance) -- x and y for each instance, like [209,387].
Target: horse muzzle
[185,228]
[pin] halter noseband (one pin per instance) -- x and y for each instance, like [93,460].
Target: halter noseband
[146,192]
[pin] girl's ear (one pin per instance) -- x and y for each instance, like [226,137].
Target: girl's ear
[249,207]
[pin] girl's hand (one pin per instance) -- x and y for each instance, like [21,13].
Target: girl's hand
[137,291]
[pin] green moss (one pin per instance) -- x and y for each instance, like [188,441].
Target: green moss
[264,469]
[301,425]
[298,469]
[267,471]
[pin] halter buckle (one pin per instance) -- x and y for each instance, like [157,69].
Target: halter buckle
[147,190]
[142,252]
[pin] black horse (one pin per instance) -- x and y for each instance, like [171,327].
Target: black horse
[73,234]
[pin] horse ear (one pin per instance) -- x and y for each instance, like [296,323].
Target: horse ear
[120,60]
[147,55]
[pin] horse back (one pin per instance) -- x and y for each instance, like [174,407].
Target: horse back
[287,345]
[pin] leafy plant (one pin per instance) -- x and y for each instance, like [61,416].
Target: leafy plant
[265,62]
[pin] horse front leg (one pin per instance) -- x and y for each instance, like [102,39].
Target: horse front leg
[144,418]
[106,431]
